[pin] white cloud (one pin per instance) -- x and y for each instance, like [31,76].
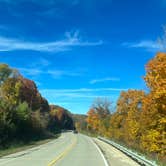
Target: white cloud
[146,44]
[32,72]
[80,98]
[70,40]
[149,45]
[104,80]
[42,62]
[80,95]
[85,90]
[59,73]
[54,73]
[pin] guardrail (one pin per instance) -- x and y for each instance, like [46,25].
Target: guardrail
[140,159]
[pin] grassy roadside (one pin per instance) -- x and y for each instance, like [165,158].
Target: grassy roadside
[22,146]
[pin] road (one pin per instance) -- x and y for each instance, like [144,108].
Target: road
[68,150]
[114,156]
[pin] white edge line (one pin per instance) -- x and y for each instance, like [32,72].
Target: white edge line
[102,155]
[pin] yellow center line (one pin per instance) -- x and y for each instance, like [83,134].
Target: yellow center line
[64,153]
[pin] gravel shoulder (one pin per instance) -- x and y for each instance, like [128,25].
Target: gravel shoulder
[114,156]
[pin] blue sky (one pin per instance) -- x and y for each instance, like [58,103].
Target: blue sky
[77,50]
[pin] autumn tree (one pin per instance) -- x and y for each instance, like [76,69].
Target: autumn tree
[140,117]
[24,113]
[131,124]
[93,120]
[124,123]
[30,93]
[80,122]
[98,116]
[60,118]
[102,107]
[154,106]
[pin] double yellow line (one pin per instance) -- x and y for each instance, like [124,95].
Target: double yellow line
[64,153]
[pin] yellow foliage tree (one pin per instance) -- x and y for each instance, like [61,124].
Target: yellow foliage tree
[153,117]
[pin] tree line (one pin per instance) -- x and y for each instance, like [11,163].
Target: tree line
[140,117]
[24,114]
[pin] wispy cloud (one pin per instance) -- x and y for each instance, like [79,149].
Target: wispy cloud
[71,40]
[42,62]
[149,45]
[43,8]
[82,92]
[53,73]
[85,89]
[80,98]
[104,80]
[31,72]
[35,64]
[51,13]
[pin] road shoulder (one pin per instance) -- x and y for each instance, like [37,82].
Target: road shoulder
[114,156]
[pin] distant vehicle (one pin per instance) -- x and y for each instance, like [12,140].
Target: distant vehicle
[75,131]
[64,131]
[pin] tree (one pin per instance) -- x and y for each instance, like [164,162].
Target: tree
[22,113]
[44,106]
[30,94]
[129,108]
[98,116]
[60,118]
[10,90]
[5,72]
[7,127]
[80,122]
[102,107]
[153,117]
[93,120]
[140,118]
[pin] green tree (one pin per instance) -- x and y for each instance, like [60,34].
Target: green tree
[5,72]
[11,90]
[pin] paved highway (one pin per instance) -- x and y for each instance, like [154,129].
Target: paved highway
[68,150]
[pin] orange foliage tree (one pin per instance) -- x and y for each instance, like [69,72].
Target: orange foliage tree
[140,118]
[154,107]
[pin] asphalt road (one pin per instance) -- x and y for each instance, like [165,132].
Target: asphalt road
[68,150]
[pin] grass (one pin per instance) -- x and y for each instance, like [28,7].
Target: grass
[18,147]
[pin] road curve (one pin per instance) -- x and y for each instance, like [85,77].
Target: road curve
[68,150]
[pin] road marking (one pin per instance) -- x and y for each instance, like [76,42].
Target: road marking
[102,155]
[6,160]
[64,153]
